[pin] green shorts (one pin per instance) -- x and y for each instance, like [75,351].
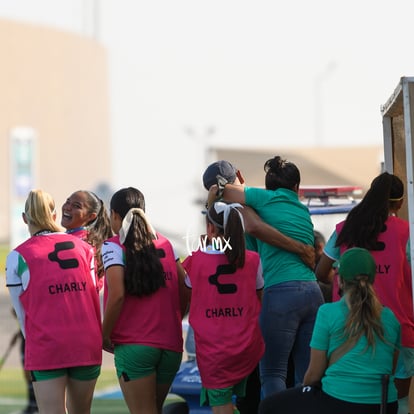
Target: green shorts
[138,361]
[86,373]
[221,396]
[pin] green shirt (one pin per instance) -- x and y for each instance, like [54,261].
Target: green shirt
[251,242]
[283,210]
[356,376]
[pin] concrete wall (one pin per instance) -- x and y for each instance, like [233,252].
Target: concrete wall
[56,83]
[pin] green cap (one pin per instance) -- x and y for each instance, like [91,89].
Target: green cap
[355,262]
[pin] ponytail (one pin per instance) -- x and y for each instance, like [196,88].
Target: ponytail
[365,309]
[229,224]
[144,273]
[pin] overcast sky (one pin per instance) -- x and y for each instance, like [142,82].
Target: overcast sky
[235,73]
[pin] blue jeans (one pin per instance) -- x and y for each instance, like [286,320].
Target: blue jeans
[287,319]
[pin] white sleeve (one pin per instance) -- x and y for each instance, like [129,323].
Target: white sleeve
[187,281]
[259,277]
[112,254]
[17,283]
[92,269]
[13,278]
[177,257]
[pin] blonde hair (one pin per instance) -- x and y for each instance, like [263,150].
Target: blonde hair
[40,210]
[364,311]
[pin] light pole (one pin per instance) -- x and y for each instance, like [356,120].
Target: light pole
[320,80]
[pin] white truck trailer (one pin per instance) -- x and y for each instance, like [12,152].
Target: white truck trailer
[398,132]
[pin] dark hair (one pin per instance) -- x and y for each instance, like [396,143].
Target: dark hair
[99,229]
[319,238]
[397,188]
[144,273]
[367,219]
[281,174]
[234,232]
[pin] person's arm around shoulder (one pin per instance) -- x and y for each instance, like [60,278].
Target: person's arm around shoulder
[256,227]
[259,229]
[230,192]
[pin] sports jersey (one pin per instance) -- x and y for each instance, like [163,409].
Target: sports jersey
[62,321]
[80,232]
[153,320]
[224,312]
[393,279]
[83,233]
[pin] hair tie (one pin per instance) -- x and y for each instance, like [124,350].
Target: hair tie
[100,203]
[98,200]
[127,221]
[396,199]
[225,208]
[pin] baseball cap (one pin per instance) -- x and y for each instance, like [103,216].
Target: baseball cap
[354,262]
[222,168]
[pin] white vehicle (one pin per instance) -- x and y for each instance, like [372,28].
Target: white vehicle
[328,205]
